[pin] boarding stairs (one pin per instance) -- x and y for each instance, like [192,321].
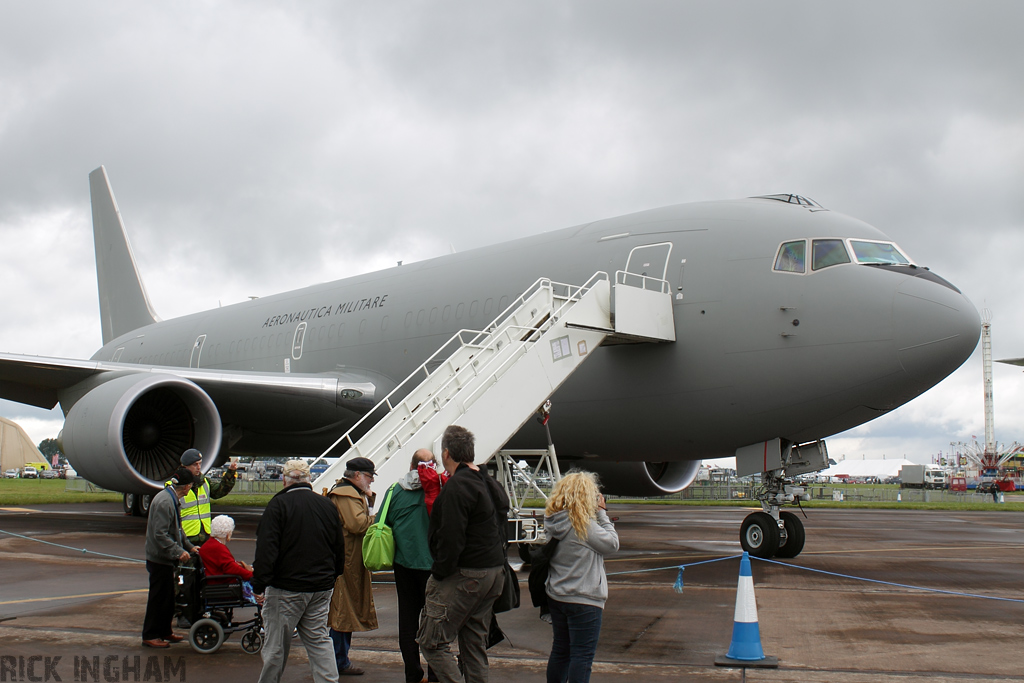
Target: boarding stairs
[491,382]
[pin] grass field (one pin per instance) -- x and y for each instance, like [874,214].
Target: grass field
[39,491]
[42,491]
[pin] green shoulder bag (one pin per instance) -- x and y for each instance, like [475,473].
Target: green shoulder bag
[379,541]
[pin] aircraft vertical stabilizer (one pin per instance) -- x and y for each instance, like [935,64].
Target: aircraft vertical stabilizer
[124,305]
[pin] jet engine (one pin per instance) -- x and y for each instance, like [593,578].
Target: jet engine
[644,478]
[128,434]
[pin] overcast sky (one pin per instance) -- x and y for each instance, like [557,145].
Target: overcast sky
[259,147]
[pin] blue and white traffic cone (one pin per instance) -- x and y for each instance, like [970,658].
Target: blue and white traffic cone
[745,648]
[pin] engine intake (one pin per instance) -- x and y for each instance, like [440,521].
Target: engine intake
[644,478]
[127,434]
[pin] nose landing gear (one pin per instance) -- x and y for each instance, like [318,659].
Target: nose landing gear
[774,533]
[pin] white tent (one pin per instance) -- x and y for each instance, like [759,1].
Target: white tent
[16,448]
[867,468]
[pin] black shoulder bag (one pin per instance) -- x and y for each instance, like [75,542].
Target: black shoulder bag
[509,598]
[540,566]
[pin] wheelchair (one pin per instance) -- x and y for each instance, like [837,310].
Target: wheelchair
[210,603]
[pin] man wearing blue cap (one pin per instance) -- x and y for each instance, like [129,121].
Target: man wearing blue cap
[195,507]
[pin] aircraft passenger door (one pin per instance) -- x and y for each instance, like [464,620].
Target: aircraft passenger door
[300,333]
[647,263]
[197,350]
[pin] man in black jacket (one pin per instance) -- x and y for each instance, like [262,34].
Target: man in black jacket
[299,553]
[467,542]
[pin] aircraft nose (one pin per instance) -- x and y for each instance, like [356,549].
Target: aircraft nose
[937,329]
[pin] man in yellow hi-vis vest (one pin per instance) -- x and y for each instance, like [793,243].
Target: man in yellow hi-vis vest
[195,507]
[195,523]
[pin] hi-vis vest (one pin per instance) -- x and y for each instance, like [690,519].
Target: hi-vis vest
[195,510]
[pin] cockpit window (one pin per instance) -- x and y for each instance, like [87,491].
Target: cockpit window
[791,257]
[825,253]
[878,252]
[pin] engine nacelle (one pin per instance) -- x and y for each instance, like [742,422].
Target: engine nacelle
[644,478]
[128,434]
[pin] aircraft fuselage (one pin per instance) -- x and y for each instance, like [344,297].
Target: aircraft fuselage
[760,352]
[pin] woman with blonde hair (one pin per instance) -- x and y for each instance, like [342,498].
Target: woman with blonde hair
[577,587]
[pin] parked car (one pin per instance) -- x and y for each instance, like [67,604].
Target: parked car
[69,472]
[49,474]
[11,473]
[29,472]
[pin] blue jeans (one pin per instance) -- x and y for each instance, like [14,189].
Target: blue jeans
[342,644]
[576,629]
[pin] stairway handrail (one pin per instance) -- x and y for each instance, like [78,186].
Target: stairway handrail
[662,284]
[573,293]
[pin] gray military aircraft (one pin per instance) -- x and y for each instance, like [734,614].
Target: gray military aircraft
[792,323]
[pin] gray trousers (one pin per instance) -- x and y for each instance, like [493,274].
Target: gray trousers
[285,611]
[459,607]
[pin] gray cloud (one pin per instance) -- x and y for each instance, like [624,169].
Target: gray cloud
[256,147]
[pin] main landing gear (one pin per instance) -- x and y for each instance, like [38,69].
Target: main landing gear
[774,533]
[136,504]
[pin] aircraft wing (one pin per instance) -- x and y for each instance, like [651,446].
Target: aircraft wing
[38,381]
[1012,361]
[35,380]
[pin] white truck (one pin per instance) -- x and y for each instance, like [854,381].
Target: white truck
[935,478]
[911,476]
[923,477]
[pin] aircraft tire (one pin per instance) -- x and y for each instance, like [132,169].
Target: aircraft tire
[144,502]
[759,535]
[795,536]
[128,504]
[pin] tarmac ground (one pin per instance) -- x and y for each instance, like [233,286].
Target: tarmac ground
[86,609]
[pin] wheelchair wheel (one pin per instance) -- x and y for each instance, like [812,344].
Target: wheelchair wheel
[206,636]
[252,641]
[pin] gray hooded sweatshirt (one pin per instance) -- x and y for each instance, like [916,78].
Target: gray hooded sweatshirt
[576,573]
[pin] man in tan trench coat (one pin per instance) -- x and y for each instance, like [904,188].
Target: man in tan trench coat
[352,605]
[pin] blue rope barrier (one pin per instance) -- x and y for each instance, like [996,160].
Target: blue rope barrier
[678,585]
[888,583]
[67,547]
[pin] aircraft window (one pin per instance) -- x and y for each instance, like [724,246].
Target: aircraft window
[827,253]
[791,258]
[362,326]
[433,315]
[446,313]
[419,317]
[341,330]
[472,309]
[878,252]
[384,324]
[487,306]
[458,311]
[503,304]
[791,199]
[323,333]
[330,332]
